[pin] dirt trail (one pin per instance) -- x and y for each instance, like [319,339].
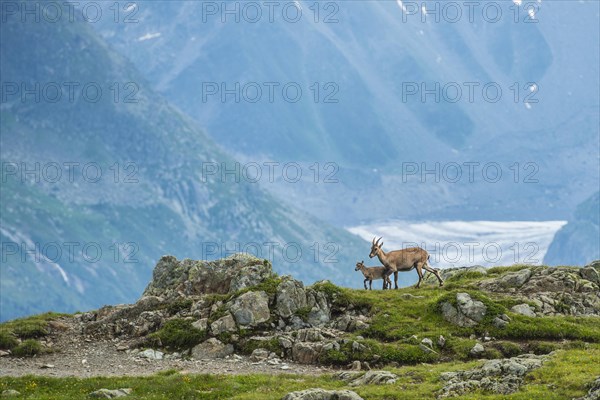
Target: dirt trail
[74,355]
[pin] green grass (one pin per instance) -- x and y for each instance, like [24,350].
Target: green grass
[177,334]
[28,348]
[8,341]
[26,329]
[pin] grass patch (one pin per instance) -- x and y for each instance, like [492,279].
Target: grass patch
[497,271]
[249,345]
[28,348]
[8,341]
[376,352]
[177,334]
[302,313]
[550,328]
[508,349]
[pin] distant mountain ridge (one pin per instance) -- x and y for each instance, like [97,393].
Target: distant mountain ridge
[579,240]
[96,188]
[373,55]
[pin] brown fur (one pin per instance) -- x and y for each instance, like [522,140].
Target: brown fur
[404,260]
[374,273]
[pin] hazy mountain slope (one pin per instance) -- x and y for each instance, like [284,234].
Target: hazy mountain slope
[579,240]
[158,199]
[371,53]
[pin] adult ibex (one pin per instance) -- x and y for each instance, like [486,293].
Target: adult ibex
[403,260]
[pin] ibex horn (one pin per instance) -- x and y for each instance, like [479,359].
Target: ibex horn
[377,242]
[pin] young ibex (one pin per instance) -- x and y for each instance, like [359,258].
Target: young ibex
[403,260]
[373,273]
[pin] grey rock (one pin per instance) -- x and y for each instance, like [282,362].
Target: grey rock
[151,354]
[441,341]
[427,342]
[223,324]
[322,394]
[10,393]
[467,313]
[306,353]
[285,342]
[290,297]
[477,350]
[516,279]
[355,366]
[591,274]
[201,324]
[499,323]
[375,378]
[523,309]
[503,376]
[472,309]
[358,347]
[259,355]
[251,309]
[211,348]
[110,393]
[310,335]
[172,278]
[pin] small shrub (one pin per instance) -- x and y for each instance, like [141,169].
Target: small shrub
[248,346]
[178,334]
[303,313]
[7,340]
[28,348]
[179,305]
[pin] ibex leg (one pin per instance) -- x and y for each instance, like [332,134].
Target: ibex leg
[435,272]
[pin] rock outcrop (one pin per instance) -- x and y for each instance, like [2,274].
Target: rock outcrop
[503,376]
[553,291]
[223,298]
[322,394]
[172,278]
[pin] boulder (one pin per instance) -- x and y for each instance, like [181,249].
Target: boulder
[320,312]
[151,354]
[172,278]
[467,313]
[110,393]
[375,378]
[516,279]
[306,353]
[10,393]
[309,335]
[523,309]
[211,348]
[223,324]
[251,309]
[322,394]
[477,350]
[591,274]
[201,324]
[259,355]
[290,297]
